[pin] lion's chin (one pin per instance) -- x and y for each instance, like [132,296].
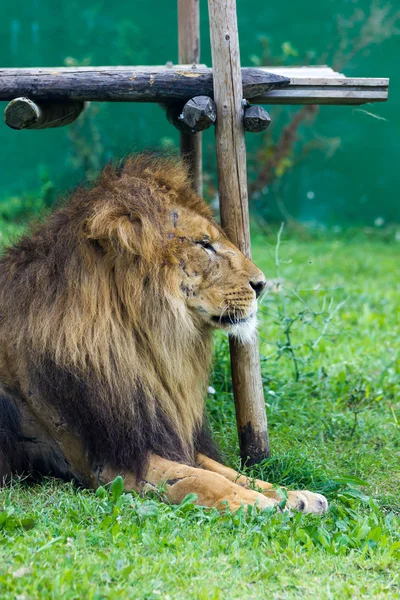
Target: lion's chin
[244,331]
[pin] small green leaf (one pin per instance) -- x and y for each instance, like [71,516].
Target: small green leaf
[354,493]
[188,502]
[375,534]
[27,523]
[117,487]
[342,525]
[350,480]
[101,492]
[282,495]
[49,544]
[126,571]
[116,529]
[394,548]
[106,522]
[189,499]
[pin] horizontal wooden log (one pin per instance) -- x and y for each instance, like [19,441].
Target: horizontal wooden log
[198,114]
[256,119]
[124,83]
[23,113]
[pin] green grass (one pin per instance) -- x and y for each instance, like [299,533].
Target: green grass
[331,373]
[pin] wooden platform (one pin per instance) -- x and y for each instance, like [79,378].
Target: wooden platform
[308,85]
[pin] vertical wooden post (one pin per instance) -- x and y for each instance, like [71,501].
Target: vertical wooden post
[189,53]
[232,184]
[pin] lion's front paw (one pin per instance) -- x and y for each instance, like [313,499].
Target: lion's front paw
[307,502]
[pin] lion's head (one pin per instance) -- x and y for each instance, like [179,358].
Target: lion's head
[156,222]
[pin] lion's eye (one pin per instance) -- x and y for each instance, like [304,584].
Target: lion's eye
[206,245]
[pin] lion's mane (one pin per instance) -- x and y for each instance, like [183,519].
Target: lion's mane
[94,317]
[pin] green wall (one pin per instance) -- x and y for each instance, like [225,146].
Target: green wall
[358,184]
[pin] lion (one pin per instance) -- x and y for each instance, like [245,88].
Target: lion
[107,311]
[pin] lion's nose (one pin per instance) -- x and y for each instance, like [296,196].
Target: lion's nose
[258,287]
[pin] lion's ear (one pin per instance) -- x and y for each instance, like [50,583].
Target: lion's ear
[109,226]
[124,231]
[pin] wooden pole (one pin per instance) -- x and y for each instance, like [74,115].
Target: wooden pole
[189,52]
[232,184]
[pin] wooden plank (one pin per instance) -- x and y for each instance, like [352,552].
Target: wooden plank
[232,186]
[322,85]
[306,71]
[124,84]
[341,82]
[334,89]
[189,52]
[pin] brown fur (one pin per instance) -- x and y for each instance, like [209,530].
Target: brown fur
[97,311]
[107,309]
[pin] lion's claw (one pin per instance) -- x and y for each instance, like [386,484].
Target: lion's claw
[307,502]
